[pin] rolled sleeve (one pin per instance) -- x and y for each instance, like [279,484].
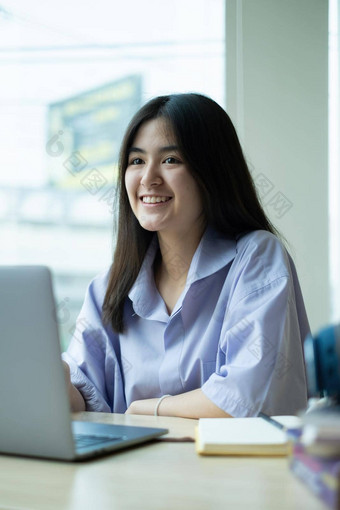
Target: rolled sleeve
[260,361]
[94,399]
[91,355]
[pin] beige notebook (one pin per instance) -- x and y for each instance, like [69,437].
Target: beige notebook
[243,436]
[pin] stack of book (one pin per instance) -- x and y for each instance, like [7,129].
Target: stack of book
[315,455]
[311,442]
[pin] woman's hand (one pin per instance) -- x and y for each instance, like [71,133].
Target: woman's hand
[67,373]
[77,402]
[146,406]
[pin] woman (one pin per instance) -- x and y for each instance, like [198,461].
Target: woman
[201,313]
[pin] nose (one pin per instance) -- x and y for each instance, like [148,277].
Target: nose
[151,176]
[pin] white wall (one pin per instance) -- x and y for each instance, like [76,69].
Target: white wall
[277,89]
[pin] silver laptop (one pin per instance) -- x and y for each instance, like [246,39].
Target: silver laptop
[35,417]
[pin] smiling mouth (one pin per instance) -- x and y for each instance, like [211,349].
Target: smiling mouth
[154,199]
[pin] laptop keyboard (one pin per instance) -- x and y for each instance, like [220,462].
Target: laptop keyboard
[86,440]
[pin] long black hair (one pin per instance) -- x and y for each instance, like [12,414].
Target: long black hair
[208,143]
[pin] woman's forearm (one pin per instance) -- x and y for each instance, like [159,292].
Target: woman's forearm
[193,404]
[76,399]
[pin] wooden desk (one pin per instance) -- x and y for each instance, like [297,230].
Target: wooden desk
[158,475]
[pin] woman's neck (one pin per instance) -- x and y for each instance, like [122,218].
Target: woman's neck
[176,253]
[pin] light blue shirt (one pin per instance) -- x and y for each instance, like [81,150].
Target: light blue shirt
[236,332]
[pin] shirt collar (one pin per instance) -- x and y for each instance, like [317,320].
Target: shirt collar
[144,294]
[213,252]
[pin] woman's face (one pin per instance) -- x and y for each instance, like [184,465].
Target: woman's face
[162,193]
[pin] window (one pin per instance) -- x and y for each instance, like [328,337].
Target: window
[334,158]
[72,76]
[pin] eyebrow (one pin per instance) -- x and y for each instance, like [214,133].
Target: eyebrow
[160,150]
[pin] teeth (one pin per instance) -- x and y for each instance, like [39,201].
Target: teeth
[154,200]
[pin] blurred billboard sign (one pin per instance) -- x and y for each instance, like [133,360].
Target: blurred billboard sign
[85,132]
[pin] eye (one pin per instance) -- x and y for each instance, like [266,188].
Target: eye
[136,161]
[171,161]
